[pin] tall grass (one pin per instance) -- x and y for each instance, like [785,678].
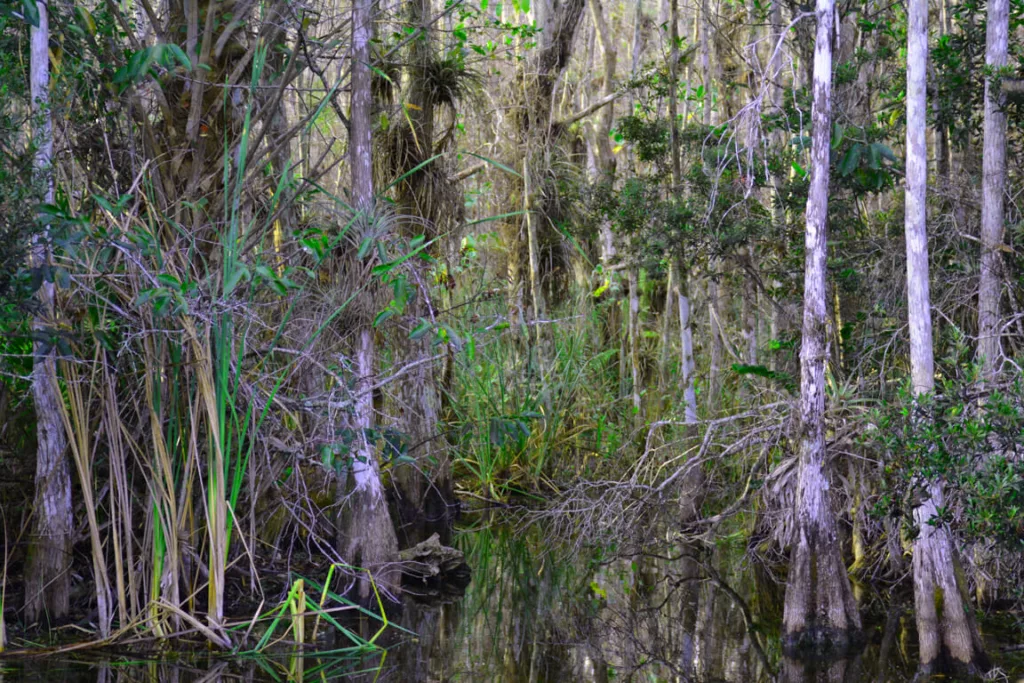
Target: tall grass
[197,378]
[517,424]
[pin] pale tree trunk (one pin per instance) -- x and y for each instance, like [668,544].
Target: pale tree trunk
[366,535]
[946,630]
[634,344]
[603,170]
[993,179]
[689,368]
[717,342]
[633,320]
[918,298]
[49,558]
[680,280]
[820,610]
[990,283]
[717,345]
[533,250]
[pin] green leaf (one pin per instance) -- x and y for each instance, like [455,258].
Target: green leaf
[412,171]
[498,164]
[874,157]
[382,316]
[233,276]
[86,20]
[420,329]
[851,160]
[885,152]
[391,265]
[800,171]
[179,55]
[105,204]
[30,11]
[364,248]
[761,371]
[169,280]
[498,217]
[838,135]
[137,67]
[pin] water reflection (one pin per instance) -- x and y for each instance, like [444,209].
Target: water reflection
[700,614]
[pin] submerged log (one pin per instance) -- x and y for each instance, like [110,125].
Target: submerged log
[431,561]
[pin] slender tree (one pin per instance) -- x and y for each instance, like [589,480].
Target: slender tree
[713,285]
[819,609]
[993,178]
[679,275]
[417,401]
[366,536]
[945,624]
[47,575]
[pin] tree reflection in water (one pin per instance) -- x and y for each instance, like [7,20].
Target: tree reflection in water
[701,614]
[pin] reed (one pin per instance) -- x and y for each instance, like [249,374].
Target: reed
[186,373]
[519,424]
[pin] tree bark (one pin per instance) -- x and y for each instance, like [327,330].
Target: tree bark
[918,298]
[820,612]
[717,342]
[946,631]
[680,280]
[416,407]
[536,79]
[49,559]
[634,344]
[366,535]
[993,179]
[688,367]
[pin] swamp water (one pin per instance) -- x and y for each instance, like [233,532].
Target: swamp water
[530,615]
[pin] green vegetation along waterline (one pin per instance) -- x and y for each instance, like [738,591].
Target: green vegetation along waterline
[721,298]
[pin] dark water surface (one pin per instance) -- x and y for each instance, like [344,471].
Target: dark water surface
[531,615]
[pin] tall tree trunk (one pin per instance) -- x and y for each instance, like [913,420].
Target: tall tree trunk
[665,346]
[689,368]
[680,281]
[714,295]
[946,630]
[993,179]
[366,535]
[820,610]
[779,320]
[49,559]
[717,340]
[634,345]
[417,401]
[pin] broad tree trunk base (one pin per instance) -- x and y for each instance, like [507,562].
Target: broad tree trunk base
[820,617]
[947,633]
[366,539]
[948,666]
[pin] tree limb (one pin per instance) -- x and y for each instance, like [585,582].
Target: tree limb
[468,172]
[587,111]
